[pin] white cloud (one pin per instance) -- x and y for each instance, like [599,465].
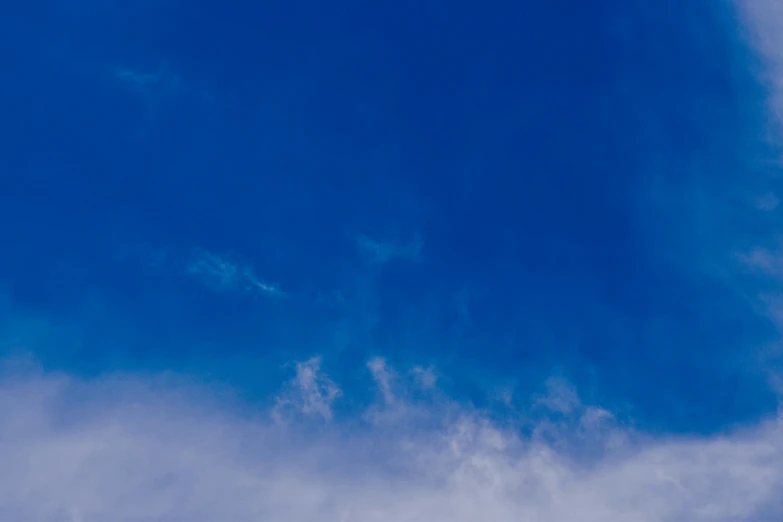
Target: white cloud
[224,274]
[147,448]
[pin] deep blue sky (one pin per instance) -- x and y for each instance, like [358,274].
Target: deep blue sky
[565,186]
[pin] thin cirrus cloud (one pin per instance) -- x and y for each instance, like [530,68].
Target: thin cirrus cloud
[383,251]
[222,273]
[764,19]
[138,78]
[159,83]
[767,202]
[133,448]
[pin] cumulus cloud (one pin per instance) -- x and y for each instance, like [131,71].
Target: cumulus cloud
[224,274]
[154,448]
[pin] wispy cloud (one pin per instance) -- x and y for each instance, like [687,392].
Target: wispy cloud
[384,251]
[764,20]
[768,201]
[765,261]
[561,396]
[224,274]
[310,392]
[383,377]
[425,377]
[219,272]
[131,448]
[138,78]
[162,88]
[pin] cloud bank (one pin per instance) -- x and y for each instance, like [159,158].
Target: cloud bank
[162,447]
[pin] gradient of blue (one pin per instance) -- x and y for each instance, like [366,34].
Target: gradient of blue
[547,153]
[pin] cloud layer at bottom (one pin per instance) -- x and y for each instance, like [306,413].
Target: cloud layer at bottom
[161,447]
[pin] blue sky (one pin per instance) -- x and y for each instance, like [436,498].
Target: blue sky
[521,255]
